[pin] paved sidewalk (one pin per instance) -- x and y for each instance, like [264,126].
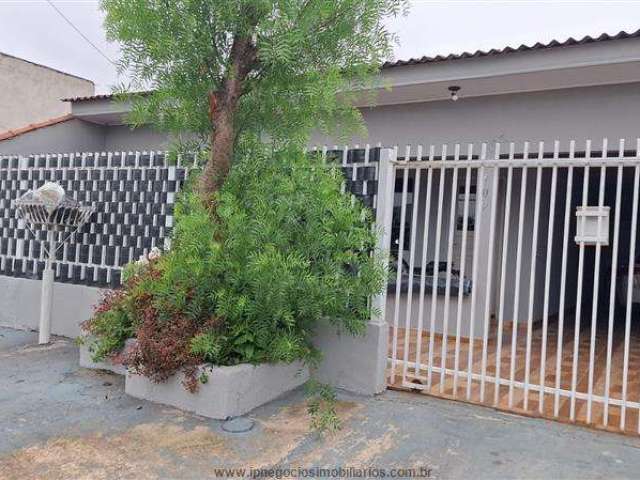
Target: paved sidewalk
[58,421]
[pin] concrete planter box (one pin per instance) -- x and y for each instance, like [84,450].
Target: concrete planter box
[353,363]
[86,360]
[229,391]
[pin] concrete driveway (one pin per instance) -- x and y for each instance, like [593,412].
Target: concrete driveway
[58,421]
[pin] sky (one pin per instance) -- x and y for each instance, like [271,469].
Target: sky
[32,29]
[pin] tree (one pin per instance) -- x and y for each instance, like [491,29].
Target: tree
[236,70]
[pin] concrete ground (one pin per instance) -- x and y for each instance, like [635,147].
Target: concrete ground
[58,421]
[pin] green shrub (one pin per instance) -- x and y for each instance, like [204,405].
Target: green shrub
[284,251]
[112,323]
[321,407]
[208,346]
[295,252]
[111,328]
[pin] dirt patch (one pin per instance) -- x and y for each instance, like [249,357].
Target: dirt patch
[153,450]
[338,441]
[137,453]
[285,430]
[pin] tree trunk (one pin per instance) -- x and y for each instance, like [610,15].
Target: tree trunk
[222,109]
[217,167]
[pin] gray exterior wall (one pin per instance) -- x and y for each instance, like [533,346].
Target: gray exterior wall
[71,136]
[124,138]
[20,300]
[77,135]
[31,93]
[578,113]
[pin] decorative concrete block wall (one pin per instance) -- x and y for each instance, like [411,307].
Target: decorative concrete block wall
[133,195]
[360,168]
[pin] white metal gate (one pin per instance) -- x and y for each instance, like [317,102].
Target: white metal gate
[513,279]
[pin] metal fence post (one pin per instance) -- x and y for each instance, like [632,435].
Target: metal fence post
[46,300]
[384,214]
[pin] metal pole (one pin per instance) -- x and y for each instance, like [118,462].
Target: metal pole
[46,302]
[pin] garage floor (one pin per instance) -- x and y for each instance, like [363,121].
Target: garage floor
[62,422]
[518,394]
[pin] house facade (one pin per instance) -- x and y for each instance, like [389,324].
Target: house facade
[510,216]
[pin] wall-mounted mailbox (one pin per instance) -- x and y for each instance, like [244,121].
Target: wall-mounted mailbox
[587,219]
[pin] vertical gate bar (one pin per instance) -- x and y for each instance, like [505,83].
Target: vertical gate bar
[412,248]
[612,290]
[596,285]
[354,175]
[474,267]
[635,204]
[436,265]
[423,265]
[576,333]
[563,279]
[448,269]
[503,271]
[396,305]
[463,261]
[547,275]
[516,299]
[345,154]
[384,216]
[631,273]
[532,276]
[488,292]
[366,164]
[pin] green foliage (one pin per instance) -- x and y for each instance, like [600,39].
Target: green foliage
[115,325]
[208,346]
[312,58]
[183,287]
[296,251]
[286,251]
[321,406]
[111,325]
[203,378]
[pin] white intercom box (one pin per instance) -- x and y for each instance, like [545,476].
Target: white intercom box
[587,221]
